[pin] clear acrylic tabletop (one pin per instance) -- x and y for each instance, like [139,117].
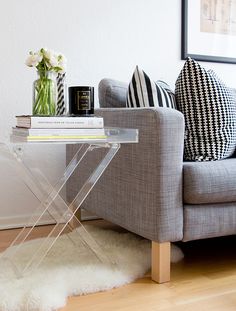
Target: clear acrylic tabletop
[114,135]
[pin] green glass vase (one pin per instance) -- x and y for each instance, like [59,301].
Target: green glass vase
[44,94]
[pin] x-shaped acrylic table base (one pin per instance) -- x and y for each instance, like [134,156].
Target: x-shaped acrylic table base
[51,202]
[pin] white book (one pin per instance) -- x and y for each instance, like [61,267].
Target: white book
[59,122]
[57,132]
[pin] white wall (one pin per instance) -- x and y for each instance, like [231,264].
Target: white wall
[100,38]
[16,200]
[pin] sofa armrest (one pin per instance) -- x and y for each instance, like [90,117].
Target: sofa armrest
[141,190]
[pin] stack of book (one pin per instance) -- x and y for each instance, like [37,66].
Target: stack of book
[37,128]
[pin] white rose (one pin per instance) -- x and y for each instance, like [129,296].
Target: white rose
[47,53]
[51,57]
[33,60]
[53,61]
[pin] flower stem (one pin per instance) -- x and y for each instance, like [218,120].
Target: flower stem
[44,99]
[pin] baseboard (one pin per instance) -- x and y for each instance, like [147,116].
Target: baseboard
[85,215]
[21,221]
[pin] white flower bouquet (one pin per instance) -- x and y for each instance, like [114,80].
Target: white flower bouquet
[47,63]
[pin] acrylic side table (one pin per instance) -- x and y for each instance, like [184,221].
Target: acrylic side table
[51,201]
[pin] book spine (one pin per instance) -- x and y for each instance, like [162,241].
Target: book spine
[87,139]
[58,132]
[68,123]
[65,137]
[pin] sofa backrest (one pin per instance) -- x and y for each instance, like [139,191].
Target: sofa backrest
[112,93]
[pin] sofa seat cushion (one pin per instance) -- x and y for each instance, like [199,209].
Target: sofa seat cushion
[210,182]
[209,221]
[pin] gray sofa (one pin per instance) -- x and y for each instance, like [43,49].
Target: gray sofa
[150,191]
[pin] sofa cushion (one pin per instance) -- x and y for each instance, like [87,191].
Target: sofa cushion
[209,221]
[143,92]
[210,182]
[209,108]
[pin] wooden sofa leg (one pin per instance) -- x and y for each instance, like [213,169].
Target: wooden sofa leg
[160,262]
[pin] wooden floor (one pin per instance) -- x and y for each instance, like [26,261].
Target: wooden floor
[204,281]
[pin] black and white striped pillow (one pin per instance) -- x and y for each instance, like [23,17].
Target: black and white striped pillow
[142,92]
[209,109]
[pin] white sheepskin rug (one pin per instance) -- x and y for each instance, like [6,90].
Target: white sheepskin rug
[68,271]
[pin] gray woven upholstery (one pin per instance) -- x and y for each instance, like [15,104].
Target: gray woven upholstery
[210,182]
[209,220]
[141,190]
[134,191]
[112,93]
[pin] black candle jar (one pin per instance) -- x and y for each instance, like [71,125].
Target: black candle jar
[81,100]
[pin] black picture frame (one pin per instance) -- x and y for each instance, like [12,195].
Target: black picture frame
[184,42]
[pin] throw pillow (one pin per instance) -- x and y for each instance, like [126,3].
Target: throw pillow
[209,109]
[143,92]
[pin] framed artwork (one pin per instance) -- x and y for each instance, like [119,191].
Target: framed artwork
[209,30]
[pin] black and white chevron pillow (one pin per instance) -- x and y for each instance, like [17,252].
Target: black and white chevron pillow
[209,109]
[143,92]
